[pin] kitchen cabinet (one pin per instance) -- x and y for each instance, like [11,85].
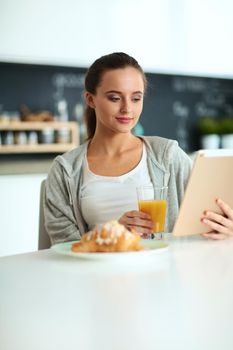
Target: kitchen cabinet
[63,40]
[19,208]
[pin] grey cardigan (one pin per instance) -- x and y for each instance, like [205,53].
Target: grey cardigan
[168,165]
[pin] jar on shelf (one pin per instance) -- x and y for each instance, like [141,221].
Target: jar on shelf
[32,138]
[20,138]
[63,135]
[9,138]
[47,135]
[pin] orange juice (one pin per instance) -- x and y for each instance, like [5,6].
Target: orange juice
[157,210]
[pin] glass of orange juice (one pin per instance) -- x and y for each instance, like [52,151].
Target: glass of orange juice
[153,201]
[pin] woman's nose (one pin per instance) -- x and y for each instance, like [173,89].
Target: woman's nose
[126,106]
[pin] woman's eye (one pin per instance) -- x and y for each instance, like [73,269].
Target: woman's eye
[114,98]
[136,99]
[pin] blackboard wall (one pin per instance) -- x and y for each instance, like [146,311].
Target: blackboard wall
[172,106]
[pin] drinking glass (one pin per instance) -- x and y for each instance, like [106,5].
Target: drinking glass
[153,201]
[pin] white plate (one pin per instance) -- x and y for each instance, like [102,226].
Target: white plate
[152,247]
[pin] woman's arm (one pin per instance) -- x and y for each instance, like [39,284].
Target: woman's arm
[60,221]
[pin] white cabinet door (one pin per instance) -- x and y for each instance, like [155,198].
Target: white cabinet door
[19,213]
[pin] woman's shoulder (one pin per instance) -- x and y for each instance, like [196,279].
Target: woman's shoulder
[72,155]
[160,146]
[71,161]
[159,141]
[164,150]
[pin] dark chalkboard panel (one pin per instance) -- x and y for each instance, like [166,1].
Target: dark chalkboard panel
[40,86]
[172,105]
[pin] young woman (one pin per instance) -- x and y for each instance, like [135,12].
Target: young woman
[97,181]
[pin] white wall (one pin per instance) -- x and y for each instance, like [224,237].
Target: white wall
[19,213]
[177,36]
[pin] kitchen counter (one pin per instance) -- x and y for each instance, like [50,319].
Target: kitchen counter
[25,166]
[178,298]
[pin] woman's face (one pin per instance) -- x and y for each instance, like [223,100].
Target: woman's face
[118,100]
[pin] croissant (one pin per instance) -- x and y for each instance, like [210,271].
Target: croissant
[110,237]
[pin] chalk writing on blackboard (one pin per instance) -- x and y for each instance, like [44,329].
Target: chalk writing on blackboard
[63,81]
[181,84]
[181,112]
[69,80]
[214,98]
[202,110]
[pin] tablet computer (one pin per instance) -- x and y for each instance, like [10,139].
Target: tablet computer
[211,177]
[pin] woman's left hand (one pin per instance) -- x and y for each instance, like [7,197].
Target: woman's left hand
[221,225]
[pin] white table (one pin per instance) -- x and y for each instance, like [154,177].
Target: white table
[179,299]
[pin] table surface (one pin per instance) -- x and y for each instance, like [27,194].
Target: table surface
[180,298]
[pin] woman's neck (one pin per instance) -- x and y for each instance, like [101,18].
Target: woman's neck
[112,144]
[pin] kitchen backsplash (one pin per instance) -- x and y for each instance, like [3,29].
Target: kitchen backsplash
[173,103]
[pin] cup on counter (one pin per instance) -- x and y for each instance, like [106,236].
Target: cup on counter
[153,201]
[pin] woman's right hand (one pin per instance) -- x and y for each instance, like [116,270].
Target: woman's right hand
[137,220]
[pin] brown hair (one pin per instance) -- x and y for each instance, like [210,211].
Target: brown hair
[93,78]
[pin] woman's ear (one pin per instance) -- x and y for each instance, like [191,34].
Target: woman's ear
[89,99]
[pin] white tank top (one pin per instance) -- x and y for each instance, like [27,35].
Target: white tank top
[105,198]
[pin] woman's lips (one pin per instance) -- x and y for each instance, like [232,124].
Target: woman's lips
[124,120]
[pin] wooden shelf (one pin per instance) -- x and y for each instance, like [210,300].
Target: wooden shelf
[40,147]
